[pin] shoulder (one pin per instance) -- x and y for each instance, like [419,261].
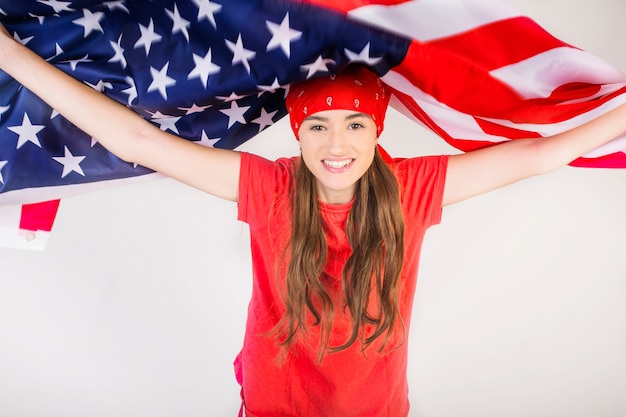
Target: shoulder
[285,163]
[421,167]
[255,166]
[263,184]
[422,182]
[259,175]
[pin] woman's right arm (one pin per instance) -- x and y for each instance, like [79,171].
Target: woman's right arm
[119,129]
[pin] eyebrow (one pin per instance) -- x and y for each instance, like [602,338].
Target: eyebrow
[325,119]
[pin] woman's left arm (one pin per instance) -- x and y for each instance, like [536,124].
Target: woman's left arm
[480,171]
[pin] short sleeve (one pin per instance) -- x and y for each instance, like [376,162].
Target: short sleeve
[422,182]
[261,183]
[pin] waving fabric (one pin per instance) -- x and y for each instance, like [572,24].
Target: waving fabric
[476,72]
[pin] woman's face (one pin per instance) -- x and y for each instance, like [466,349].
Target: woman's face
[338,146]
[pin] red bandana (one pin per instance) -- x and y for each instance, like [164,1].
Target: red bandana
[355,88]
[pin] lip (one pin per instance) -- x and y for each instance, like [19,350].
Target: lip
[337,165]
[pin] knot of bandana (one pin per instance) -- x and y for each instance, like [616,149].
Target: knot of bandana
[355,88]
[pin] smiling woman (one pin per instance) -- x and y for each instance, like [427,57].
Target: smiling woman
[337,121]
[328,223]
[337,147]
[517,312]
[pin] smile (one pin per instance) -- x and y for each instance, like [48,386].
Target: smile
[337,164]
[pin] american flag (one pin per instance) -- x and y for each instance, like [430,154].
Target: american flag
[476,72]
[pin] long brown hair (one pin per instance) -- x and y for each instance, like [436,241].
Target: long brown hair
[370,278]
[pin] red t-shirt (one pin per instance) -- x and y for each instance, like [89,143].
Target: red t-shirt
[346,383]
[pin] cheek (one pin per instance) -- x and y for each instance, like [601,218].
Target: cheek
[308,145]
[307,156]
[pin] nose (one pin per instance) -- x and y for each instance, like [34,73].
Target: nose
[337,142]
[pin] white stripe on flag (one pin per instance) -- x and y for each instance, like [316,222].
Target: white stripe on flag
[458,125]
[35,195]
[550,129]
[552,69]
[465,127]
[602,92]
[437,18]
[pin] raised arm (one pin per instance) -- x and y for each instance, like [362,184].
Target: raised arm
[118,128]
[477,172]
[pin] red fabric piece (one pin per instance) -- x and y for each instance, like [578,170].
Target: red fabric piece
[347,383]
[39,216]
[354,88]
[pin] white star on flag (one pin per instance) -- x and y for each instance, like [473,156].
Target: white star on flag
[265,119]
[57,50]
[166,122]
[90,22]
[101,86]
[240,54]
[282,35]
[119,52]
[74,62]
[235,114]
[363,56]
[231,97]
[204,68]
[148,37]
[2,164]
[57,6]
[27,132]
[70,163]
[131,91]
[194,109]
[180,24]
[269,88]
[160,80]
[23,41]
[41,19]
[206,141]
[207,10]
[116,4]
[319,65]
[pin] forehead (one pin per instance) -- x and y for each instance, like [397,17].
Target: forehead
[336,114]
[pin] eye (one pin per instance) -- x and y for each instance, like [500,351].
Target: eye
[355,125]
[316,128]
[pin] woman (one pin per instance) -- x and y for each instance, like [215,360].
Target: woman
[335,265]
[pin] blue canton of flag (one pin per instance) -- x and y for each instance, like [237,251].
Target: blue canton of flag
[212,72]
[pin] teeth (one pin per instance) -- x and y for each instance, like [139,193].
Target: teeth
[337,164]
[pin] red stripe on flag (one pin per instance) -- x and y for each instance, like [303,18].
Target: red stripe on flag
[555,108]
[348,5]
[456,81]
[419,113]
[498,44]
[613,160]
[573,91]
[504,131]
[39,216]
[461,84]
[462,144]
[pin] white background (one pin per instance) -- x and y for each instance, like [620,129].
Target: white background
[137,307]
